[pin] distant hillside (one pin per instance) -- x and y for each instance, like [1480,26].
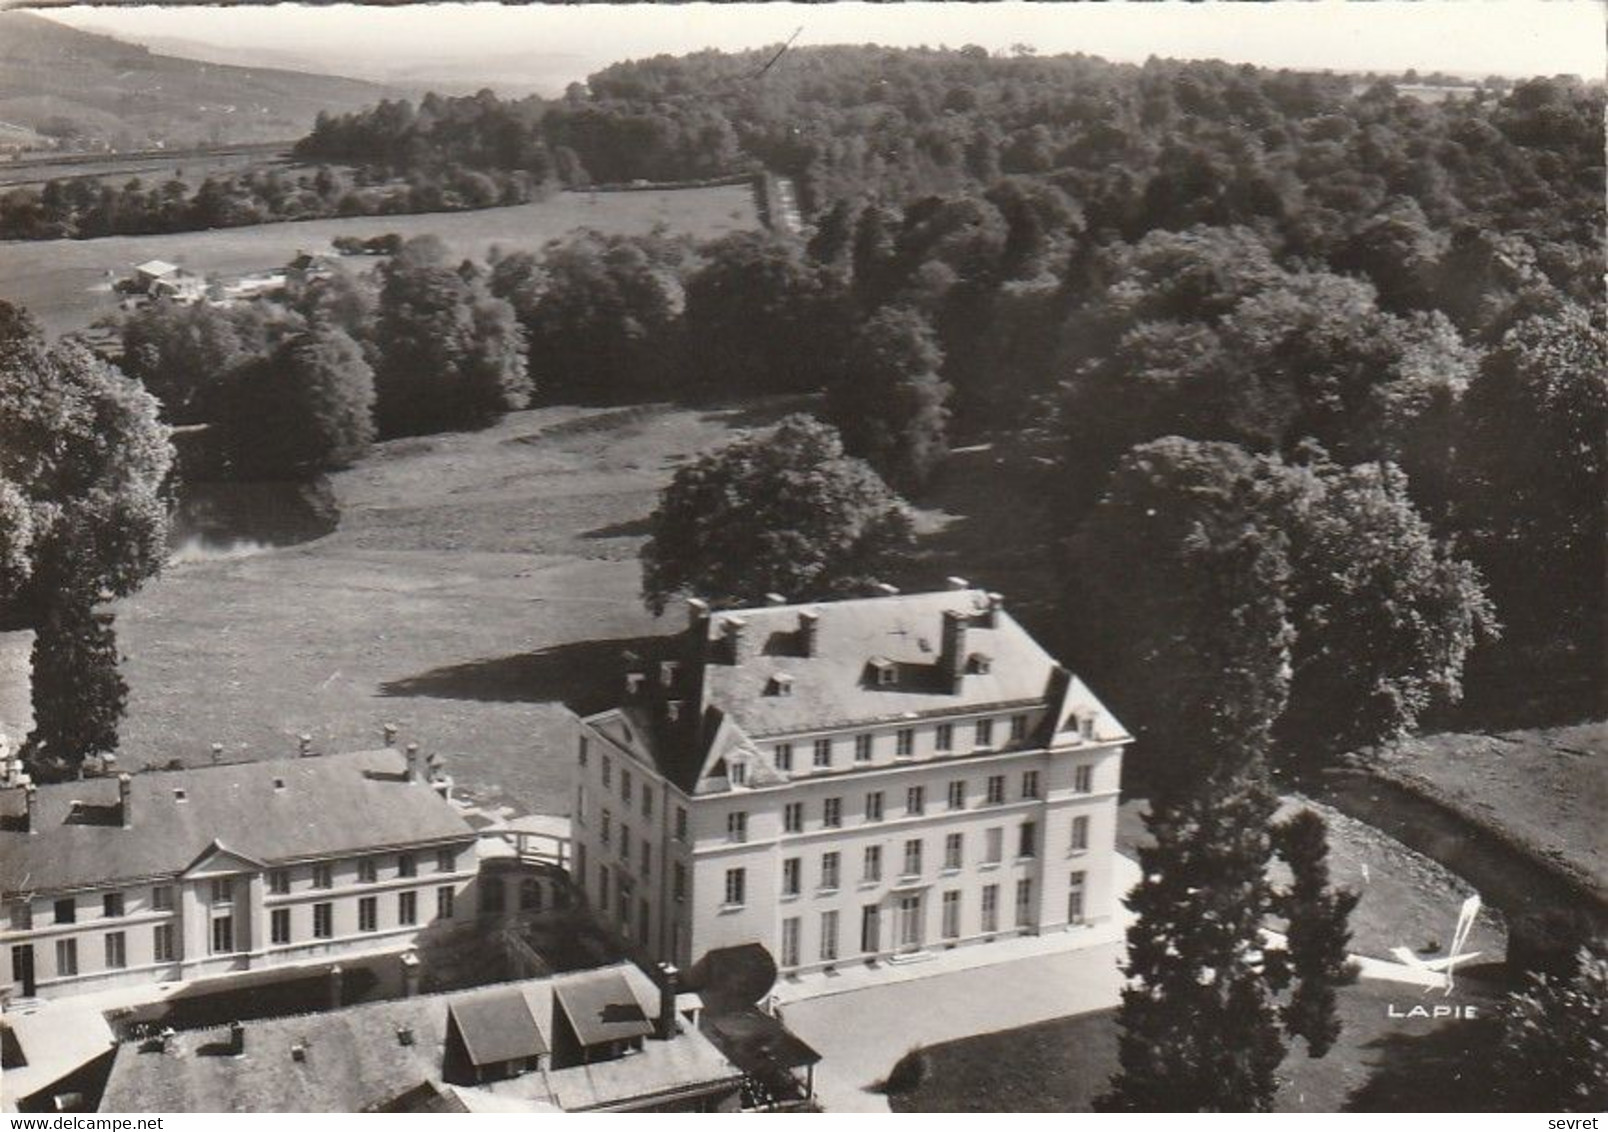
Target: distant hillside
[92,90]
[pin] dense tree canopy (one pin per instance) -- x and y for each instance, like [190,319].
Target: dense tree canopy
[787,512]
[889,403]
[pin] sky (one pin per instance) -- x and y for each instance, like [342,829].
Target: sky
[1469,37]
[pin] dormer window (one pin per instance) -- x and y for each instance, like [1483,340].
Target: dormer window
[739,773]
[884,672]
[1086,726]
[781,684]
[979,664]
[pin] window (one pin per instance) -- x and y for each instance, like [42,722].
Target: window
[625,843]
[951,920]
[279,881]
[679,882]
[444,898]
[581,756]
[873,806]
[406,865]
[116,951]
[1027,843]
[957,795]
[322,877]
[736,886]
[991,907]
[830,870]
[985,733]
[1074,900]
[912,857]
[862,748]
[737,826]
[279,926]
[1018,728]
[623,908]
[407,907]
[607,770]
[642,921]
[625,786]
[823,752]
[790,942]
[579,871]
[904,742]
[916,801]
[1083,779]
[647,801]
[606,831]
[784,756]
[870,928]
[996,789]
[66,957]
[739,774]
[162,943]
[222,935]
[493,899]
[952,850]
[647,858]
[67,911]
[1030,784]
[832,813]
[602,888]
[995,839]
[1080,833]
[367,871]
[793,817]
[21,916]
[681,823]
[162,898]
[1024,902]
[873,864]
[829,936]
[223,890]
[790,876]
[446,860]
[323,920]
[944,737]
[368,914]
[112,904]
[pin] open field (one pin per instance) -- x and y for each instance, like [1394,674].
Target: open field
[1380,1064]
[190,166]
[65,282]
[1546,789]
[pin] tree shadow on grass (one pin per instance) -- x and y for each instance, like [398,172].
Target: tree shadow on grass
[1445,1070]
[586,675]
[631,528]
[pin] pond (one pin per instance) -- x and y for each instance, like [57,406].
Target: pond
[233,519]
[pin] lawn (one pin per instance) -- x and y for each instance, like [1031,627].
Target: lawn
[1380,1064]
[474,581]
[1546,789]
[64,282]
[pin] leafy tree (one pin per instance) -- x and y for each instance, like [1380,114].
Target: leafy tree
[451,354]
[1554,1051]
[304,409]
[1318,935]
[184,355]
[785,513]
[889,404]
[79,695]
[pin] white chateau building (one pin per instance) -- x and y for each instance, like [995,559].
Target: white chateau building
[849,780]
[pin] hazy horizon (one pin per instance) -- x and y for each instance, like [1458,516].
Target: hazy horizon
[546,46]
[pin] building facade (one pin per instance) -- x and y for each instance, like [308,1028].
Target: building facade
[185,874]
[846,781]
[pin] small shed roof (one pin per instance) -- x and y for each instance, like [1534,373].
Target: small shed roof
[156,267]
[497,1028]
[603,1006]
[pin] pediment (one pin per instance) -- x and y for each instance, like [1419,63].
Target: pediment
[218,859]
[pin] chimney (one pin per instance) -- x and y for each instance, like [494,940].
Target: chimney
[697,612]
[298,1051]
[667,672]
[304,744]
[633,684]
[669,983]
[29,800]
[237,1039]
[412,753]
[991,610]
[809,631]
[336,977]
[735,627]
[955,583]
[217,753]
[952,652]
[884,589]
[775,599]
[389,731]
[125,810]
[672,710]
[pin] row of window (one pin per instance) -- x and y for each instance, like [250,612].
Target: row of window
[606,772]
[915,802]
[909,921]
[222,889]
[823,750]
[223,934]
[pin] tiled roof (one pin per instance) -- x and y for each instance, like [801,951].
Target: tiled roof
[276,810]
[498,1028]
[603,1006]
